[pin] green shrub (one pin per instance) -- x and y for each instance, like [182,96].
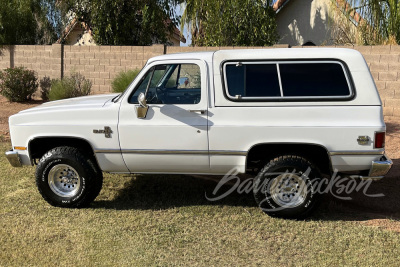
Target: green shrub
[123,80]
[18,84]
[45,85]
[73,86]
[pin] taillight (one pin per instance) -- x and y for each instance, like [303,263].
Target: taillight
[379,139]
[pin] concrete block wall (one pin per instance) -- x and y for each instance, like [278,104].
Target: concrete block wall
[4,59]
[101,64]
[43,59]
[384,63]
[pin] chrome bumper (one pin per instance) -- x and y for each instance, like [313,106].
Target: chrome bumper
[379,168]
[13,158]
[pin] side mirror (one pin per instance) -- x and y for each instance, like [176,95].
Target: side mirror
[141,110]
[142,100]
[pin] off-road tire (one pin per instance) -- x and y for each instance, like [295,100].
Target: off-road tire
[85,181]
[272,187]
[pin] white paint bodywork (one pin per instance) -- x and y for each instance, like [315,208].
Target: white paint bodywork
[172,139]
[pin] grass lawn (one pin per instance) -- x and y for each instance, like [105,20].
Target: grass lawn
[166,220]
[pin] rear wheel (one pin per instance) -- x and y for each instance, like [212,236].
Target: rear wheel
[67,178]
[285,187]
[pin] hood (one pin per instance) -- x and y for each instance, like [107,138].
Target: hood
[71,103]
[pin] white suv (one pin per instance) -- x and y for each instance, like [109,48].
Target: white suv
[288,115]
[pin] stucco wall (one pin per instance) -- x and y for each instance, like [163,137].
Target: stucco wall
[79,36]
[302,21]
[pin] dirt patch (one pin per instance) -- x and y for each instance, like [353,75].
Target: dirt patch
[9,108]
[386,224]
[393,138]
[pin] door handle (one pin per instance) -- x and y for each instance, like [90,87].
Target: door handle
[201,111]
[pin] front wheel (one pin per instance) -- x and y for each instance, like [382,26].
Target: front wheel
[286,187]
[66,178]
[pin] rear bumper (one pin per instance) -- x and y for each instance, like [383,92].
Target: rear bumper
[13,158]
[379,168]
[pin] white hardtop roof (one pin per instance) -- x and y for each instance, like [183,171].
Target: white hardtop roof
[286,53]
[351,57]
[206,55]
[344,54]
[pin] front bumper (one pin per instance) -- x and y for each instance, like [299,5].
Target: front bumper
[13,158]
[379,168]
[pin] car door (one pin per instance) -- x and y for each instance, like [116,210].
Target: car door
[172,138]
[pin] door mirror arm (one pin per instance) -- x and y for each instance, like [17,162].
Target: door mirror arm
[142,100]
[142,108]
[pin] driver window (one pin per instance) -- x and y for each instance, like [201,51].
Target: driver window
[170,84]
[189,77]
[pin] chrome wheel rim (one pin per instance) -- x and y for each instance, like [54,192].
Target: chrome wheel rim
[288,190]
[64,180]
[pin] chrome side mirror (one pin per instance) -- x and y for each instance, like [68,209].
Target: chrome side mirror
[141,110]
[142,100]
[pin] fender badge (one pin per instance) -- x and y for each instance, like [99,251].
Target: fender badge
[107,131]
[363,140]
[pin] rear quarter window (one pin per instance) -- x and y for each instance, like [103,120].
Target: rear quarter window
[313,79]
[253,80]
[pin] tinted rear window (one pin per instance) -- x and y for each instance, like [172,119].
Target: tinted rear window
[253,80]
[313,79]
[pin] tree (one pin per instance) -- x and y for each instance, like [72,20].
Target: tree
[230,22]
[343,30]
[17,22]
[381,20]
[127,22]
[25,22]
